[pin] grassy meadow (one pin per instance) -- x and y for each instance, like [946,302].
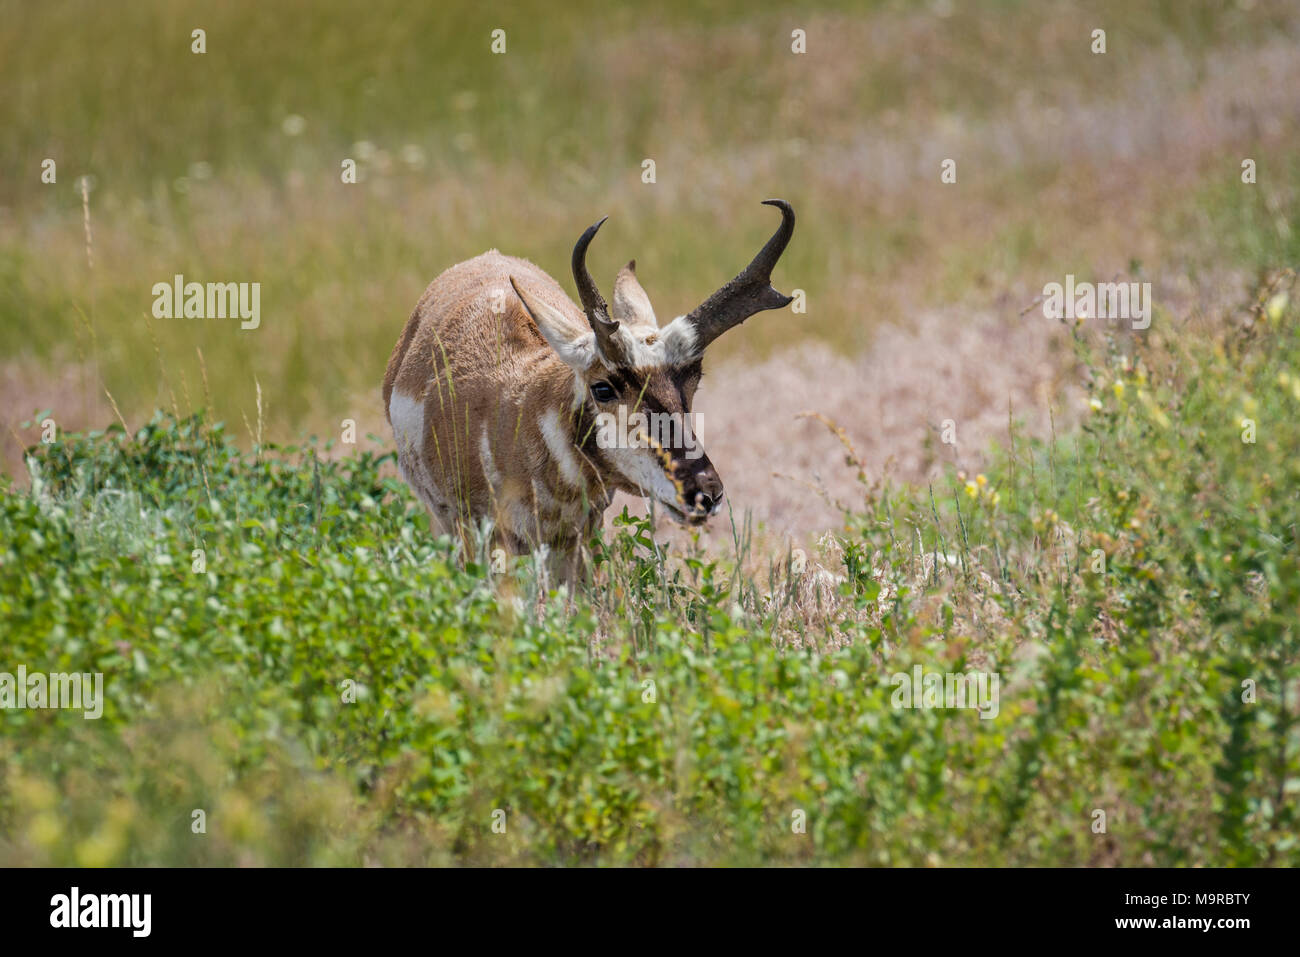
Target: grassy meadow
[226,166]
[287,649]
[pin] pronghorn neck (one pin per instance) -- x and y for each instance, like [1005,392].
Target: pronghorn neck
[575,422]
[573,469]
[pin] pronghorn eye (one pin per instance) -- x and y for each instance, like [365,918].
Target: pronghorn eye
[603,392]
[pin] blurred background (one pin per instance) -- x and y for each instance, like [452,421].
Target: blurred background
[225,167]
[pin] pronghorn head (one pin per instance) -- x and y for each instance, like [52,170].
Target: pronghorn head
[634,380]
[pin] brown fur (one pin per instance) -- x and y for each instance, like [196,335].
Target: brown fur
[475,360]
[501,392]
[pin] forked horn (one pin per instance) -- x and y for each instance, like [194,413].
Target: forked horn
[593,303]
[749,292]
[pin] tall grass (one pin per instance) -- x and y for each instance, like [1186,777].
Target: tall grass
[1134,585]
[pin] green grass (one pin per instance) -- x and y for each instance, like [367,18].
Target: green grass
[688,705]
[684,709]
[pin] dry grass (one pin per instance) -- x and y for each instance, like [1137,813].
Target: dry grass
[1068,162]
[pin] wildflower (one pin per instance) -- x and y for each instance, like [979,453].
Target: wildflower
[1153,409]
[972,489]
[1095,404]
[1046,521]
[980,480]
[45,829]
[1276,306]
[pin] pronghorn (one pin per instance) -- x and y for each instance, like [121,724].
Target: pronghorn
[496,389]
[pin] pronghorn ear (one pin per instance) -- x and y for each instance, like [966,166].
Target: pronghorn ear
[631,305]
[574,345]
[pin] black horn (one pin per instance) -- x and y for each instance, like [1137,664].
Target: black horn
[593,303]
[749,292]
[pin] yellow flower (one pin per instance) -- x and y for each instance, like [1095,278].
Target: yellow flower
[1291,383]
[101,849]
[972,489]
[1276,306]
[1153,409]
[1119,389]
[45,829]
[980,480]
[1095,404]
